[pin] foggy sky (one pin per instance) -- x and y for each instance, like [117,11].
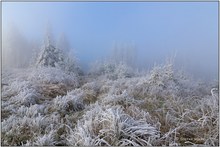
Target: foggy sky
[159,30]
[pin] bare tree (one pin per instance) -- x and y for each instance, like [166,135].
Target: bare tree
[15,48]
[70,60]
[125,53]
[63,43]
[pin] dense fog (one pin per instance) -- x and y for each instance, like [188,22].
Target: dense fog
[20,51]
[109,74]
[148,33]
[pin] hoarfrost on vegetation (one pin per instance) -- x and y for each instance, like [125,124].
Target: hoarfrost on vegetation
[73,101]
[105,125]
[49,106]
[50,102]
[51,75]
[112,70]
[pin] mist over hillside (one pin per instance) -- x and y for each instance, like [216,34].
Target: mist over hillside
[47,99]
[156,31]
[136,78]
[25,51]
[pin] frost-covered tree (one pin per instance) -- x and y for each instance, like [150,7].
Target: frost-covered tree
[50,56]
[71,64]
[59,56]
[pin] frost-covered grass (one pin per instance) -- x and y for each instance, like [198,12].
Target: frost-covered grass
[110,125]
[46,107]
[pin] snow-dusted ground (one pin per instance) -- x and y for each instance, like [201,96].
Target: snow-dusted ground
[45,106]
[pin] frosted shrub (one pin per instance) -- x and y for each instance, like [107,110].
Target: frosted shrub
[122,71]
[20,93]
[52,75]
[73,101]
[112,70]
[163,81]
[27,97]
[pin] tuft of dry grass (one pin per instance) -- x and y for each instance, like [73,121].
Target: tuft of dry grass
[105,125]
